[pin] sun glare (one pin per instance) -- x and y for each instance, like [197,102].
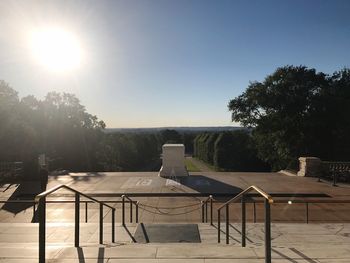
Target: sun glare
[56,49]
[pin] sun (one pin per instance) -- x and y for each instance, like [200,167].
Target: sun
[56,49]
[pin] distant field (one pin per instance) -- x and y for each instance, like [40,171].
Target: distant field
[178,129]
[190,166]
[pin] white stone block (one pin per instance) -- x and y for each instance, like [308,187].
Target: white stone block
[173,161]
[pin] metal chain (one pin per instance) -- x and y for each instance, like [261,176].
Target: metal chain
[163,207]
[168,214]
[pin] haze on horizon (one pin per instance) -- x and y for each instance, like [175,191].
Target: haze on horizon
[154,63]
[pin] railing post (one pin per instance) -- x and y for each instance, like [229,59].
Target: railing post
[243,221]
[335,175]
[123,210]
[86,212]
[113,225]
[101,223]
[219,226]
[227,224]
[33,209]
[307,212]
[202,204]
[137,211]
[42,229]
[206,211]
[254,212]
[130,211]
[211,209]
[77,220]
[267,232]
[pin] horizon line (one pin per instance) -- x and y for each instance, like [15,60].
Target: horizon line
[164,127]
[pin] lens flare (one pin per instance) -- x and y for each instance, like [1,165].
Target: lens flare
[56,49]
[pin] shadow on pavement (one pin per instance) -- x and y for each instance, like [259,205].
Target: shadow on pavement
[80,255]
[84,177]
[101,255]
[206,185]
[25,191]
[130,235]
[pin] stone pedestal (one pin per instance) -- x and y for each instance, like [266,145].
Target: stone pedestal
[309,166]
[173,161]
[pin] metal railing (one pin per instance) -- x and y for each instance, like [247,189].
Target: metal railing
[267,200]
[204,205]
[41,200]
[335,171]
[131,202]
[306,202]
[245,196]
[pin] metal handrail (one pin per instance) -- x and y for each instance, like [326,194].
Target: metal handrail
[334,168]
[249,189]
[284,201]
[57,187]
[307,202]
[267,200]
[41,200]
[131,202]
[204,205]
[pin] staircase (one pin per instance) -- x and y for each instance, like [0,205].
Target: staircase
[307,243]
[112,242]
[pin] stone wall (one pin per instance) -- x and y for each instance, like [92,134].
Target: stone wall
[309,166]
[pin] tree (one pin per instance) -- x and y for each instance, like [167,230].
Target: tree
[18,137]
[188,140]
[71,134]
[58,126]
[293,112]
[170,136]
[235,151]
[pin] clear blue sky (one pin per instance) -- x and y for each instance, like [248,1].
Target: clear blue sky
[171,63]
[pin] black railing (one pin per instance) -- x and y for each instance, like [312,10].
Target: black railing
[41,200]
[204,206]
[131,203]
[267,201]
[306,202]
[336,171]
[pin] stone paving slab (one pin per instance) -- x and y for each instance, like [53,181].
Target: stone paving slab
[282,233]
[110,252]
[205,251]
[27,252]
[329,243]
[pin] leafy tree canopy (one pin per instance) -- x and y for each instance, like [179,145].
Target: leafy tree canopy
[297,111]
[58,126]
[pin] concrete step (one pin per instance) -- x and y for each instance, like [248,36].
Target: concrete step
[282,234]
[290,243]
[176,253]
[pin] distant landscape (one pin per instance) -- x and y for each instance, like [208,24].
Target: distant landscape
[311,120]
[178,129]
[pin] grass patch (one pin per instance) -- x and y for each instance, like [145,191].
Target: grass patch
[190,166]
[210,166]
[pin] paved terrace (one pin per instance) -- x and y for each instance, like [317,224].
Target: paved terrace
[109,186]
[292,242]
